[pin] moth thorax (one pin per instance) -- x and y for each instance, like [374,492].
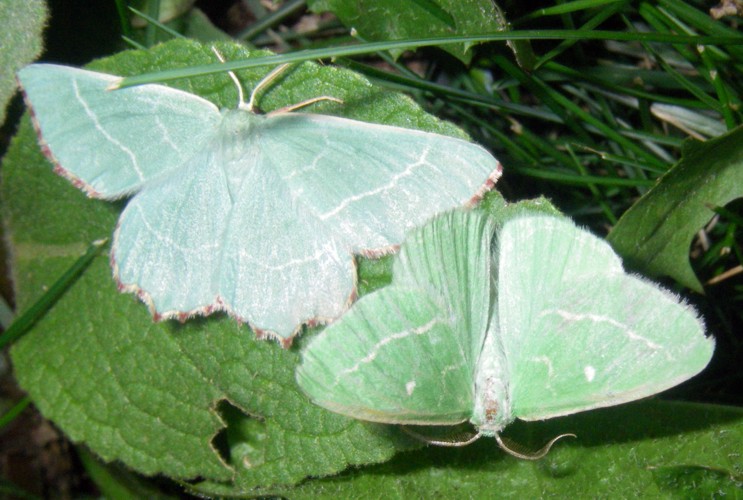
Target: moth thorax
[237,132]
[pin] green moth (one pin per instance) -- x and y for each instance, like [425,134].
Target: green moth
[488,321]
[255,215]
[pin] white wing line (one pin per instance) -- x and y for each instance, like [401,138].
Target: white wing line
[287,263]
[395,178]
[109,137]
[566,315]
[302,171]
[421,330]
[451,368]
[550,370]
[548,363]
[166,135]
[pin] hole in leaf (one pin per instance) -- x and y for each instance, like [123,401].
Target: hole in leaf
[242,442]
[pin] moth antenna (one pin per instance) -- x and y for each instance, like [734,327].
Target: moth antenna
[302,104]
[265,82]
[449,443]
[240,95]
[530,456]
[270,77]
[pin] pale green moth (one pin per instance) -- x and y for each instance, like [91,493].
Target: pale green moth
[256,215]
[542,323]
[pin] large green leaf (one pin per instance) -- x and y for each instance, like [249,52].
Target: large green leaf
[655,233]
[147,393]
[397,19]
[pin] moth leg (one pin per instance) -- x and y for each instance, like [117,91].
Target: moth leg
[453,442]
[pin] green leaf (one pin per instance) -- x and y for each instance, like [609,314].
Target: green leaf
[654,235]
[21,42]
[399,19]
[617,454]
[157,396]
[168,10]
[192,23]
